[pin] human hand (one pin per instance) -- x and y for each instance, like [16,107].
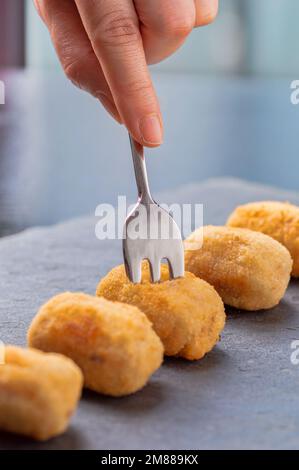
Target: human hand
[104,47]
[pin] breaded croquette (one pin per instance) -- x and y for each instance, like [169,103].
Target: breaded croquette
[186,313]
[38,392]
[249,270]
[279,220]
[113,344]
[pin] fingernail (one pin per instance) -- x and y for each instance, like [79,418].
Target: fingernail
[206,11]
[151,129]
[109,106]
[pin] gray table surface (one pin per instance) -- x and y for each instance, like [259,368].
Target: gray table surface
[244,394]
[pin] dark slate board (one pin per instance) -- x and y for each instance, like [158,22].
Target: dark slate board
[244,394]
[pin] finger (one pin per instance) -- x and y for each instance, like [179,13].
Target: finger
[74,50]
[206,11]
[113,29]
[164,26]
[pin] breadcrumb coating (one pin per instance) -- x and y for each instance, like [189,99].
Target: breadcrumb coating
[113,344]
[38,392]
[249,270]
[187,313]
[279,220]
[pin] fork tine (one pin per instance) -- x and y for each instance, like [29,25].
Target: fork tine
[176,265]
[133,270]
[155,269]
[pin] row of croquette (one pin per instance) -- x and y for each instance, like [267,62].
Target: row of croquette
[113,342]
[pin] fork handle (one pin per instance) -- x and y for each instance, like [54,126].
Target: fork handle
[144,193]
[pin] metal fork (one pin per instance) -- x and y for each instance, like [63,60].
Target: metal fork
[158,236]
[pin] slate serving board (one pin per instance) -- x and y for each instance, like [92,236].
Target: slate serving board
[244,394]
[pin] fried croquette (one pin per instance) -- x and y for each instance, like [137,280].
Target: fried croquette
[38,392]
[249,270]
[187,313]
[113,344]
[279,220]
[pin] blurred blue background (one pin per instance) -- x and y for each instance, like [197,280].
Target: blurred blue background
[255,37]
[225,99]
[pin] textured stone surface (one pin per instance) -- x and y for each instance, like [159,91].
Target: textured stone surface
[244,394]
